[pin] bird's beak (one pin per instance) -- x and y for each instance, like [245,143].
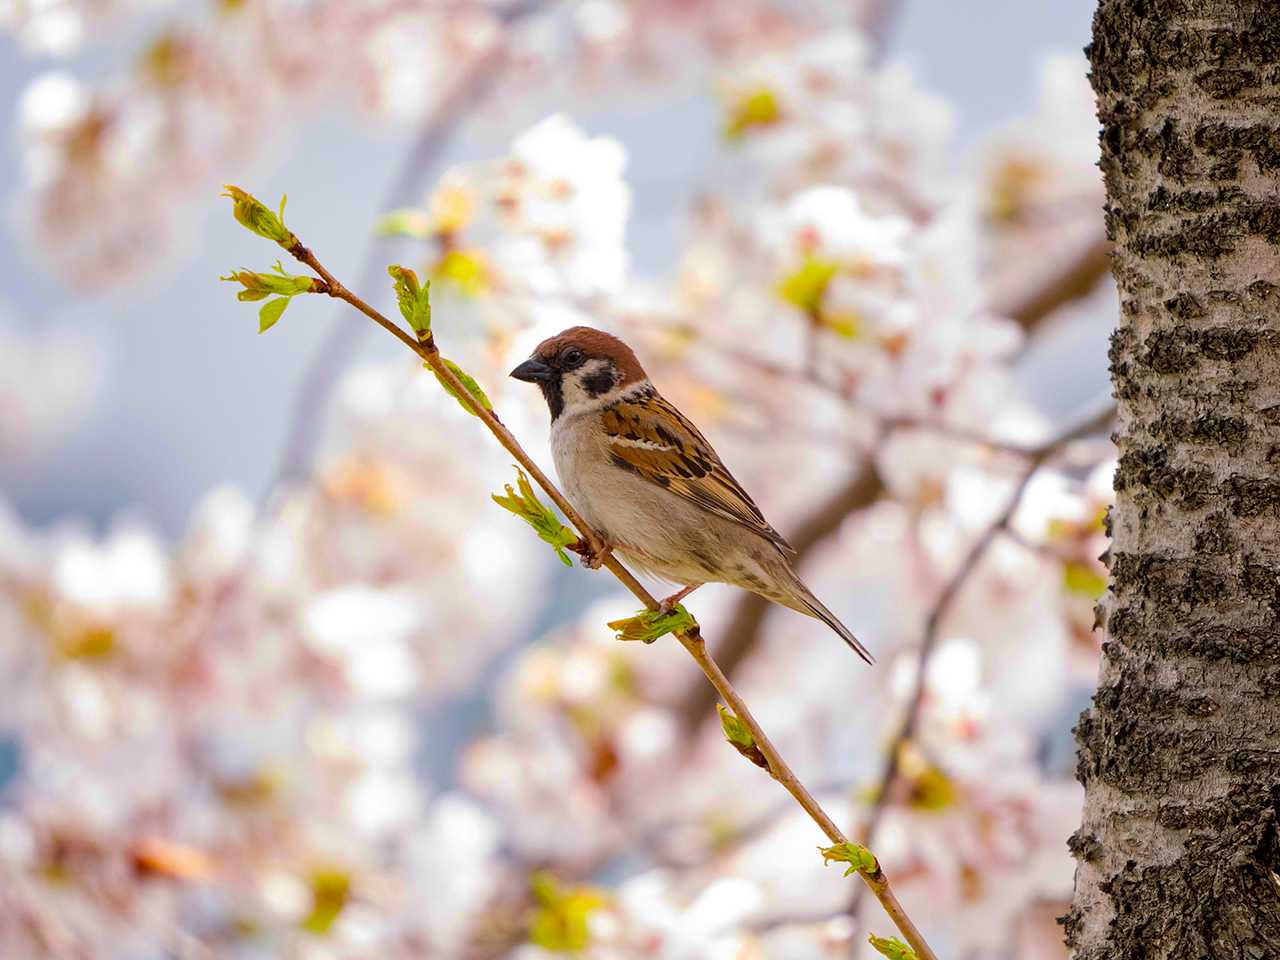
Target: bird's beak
[533,370]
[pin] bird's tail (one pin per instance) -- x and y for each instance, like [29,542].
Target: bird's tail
[805,602]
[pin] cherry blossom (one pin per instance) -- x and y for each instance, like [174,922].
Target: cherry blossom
[220,741]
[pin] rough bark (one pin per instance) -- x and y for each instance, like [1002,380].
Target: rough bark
[1178,856]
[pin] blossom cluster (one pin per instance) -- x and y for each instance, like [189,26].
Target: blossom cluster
[220,742]
[216,741]
[113,171]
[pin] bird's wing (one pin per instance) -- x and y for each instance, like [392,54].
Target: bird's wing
[654,440]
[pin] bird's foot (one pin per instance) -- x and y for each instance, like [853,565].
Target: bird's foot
[669,604]
[590,558]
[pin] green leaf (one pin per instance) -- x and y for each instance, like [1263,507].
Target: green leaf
[473,388]
[253,215]
[526,505]
[735,730]
[259,285]
[405,222]
[560,921]
[740,737]
[757,108]
[1078,577]
[931,789]
[891,947]
[855,854]
[845,324]
[804,287]
[648,625]
[330,890]
[465,269]
[271,312]
[413,298]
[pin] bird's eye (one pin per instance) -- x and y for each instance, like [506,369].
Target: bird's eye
[572,357]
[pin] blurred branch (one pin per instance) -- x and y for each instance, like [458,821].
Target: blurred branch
[342,341]
[746,625]
[878,19]
[745,628]
[691,639]
[1037,457]
[735,839]
[1079,274]
[959,434]
[943,604]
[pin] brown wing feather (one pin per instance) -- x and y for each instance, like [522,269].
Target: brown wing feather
[650,437]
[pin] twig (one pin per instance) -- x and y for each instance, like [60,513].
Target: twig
[343,339]
[875,880]
[691,639]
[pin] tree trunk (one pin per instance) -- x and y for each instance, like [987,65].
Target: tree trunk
[1178,856]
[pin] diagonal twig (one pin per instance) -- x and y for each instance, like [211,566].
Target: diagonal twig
[341,342]
[691,639]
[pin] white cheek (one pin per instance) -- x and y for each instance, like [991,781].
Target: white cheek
[576,396]
[572,390]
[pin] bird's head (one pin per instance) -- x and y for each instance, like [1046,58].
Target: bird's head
[581,369]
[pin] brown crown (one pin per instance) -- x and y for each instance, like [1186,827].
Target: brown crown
[594,343]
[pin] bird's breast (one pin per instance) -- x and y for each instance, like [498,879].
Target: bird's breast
[579,455]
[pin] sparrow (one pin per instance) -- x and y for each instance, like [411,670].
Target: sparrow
[651,485]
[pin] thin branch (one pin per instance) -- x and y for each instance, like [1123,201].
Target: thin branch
[864,488]
[774,921]
[343,339]
[960,434]
[746,625]
[1079,275]
[942,607]
[740,835]
[878,22]
[691,639]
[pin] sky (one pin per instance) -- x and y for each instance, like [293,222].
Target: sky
[193,398]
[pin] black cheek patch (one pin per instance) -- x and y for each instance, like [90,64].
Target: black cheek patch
[599,382]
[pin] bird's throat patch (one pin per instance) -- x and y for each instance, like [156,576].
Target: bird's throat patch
[553,393]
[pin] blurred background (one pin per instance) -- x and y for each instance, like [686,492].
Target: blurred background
[196,403]
[280,680]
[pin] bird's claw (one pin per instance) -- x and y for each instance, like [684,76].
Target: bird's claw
[673,601]
[590,558]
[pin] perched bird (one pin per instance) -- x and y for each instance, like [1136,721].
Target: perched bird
[650,484]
